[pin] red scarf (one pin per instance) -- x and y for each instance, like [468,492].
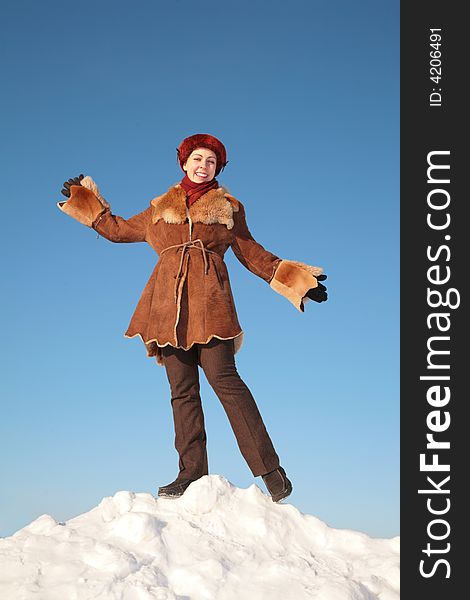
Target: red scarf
[195,190]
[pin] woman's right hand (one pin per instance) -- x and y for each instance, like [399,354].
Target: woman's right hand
[84,201]
[75,181]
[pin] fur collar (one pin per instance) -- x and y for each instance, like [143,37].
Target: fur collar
[216,206]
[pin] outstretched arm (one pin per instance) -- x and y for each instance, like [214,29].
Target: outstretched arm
[86,205]
[294,280]
[249,252]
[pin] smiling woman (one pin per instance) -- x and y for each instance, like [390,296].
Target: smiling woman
[200,165]
[186,315]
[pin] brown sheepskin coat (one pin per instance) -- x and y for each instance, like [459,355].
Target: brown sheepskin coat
[188,298]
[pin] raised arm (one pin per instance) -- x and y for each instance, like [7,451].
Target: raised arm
[294,280]
[86,205]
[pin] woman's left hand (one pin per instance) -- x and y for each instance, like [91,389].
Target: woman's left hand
[318,294]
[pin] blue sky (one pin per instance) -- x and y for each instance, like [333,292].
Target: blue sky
[305,96]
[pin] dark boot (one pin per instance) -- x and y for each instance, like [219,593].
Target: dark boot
[277,483]
[174,489]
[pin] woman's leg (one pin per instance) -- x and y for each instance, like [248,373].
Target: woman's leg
[190,436]
[218,361]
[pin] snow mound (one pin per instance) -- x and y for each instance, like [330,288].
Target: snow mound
[217,542]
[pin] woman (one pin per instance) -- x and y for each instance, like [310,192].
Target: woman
[186,315]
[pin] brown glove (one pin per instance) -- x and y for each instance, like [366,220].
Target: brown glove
[318,294]
[75,181]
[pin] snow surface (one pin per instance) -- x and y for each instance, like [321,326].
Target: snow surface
[216,542]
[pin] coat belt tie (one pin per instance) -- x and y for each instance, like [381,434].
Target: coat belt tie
[183,266]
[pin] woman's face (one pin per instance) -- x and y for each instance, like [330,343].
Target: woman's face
[201,164]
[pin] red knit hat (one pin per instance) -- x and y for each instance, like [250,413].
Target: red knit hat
[202,140]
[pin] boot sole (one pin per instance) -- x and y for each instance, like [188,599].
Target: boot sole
[282,495]
[169,496]
[172,493]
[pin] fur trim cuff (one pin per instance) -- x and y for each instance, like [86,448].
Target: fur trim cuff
[91,185]
[293,279]
[83,204]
